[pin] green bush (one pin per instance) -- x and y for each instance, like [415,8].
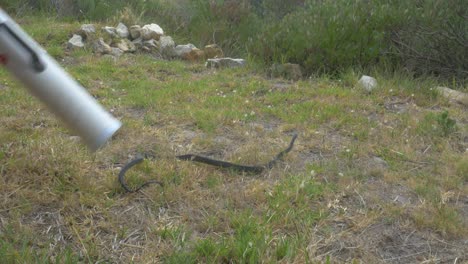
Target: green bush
[331,36]
[323,36]
[435,40]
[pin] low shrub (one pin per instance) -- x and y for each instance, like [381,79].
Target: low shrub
[323,36]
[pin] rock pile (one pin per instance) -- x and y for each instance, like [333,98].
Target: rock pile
[116,41]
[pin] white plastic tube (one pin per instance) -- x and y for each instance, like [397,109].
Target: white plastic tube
[45,79]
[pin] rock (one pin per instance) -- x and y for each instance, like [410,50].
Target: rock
[289,71]
[75,42]
[151,31]
[138,43]
[188,52]
[367,83]
[225,63]
[126,45]
[122,30]
[151,45]
[167,47]
[378,162]
[194,55]
[213,51]
[116,52]
[135,32]
[110,31]
[87,30]
[101,47]
[181,50]
[453,95]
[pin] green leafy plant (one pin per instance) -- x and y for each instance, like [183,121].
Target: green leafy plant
[446,124]
[440,125]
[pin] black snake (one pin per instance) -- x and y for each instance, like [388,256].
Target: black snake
[257,169]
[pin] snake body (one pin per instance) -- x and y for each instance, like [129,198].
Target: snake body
[256,169]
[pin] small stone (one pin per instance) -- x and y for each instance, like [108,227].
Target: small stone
[138,43]
[213,51]
[367,83]
[194,55]
[167,47]
[182,50]
[151,45]
[379,162]
[110,31]
[87,30]
[225,63]
[101,47]
[75,42]
[116,52]
[453,95]
[126,45]
[122,31]
[151,31]
[135,32]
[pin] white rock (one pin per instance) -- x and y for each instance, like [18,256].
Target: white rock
[122,31]
[151,31]
[225,63]
[367,83]
[75,42]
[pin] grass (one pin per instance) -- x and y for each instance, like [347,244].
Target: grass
[62,204]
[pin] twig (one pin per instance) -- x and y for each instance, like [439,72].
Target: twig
[406,256]
[409,160]
[14,207]
[362,199]
[424,152]
[406,239]
[82,243]
[414,168]
[443,242]
[132,246]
